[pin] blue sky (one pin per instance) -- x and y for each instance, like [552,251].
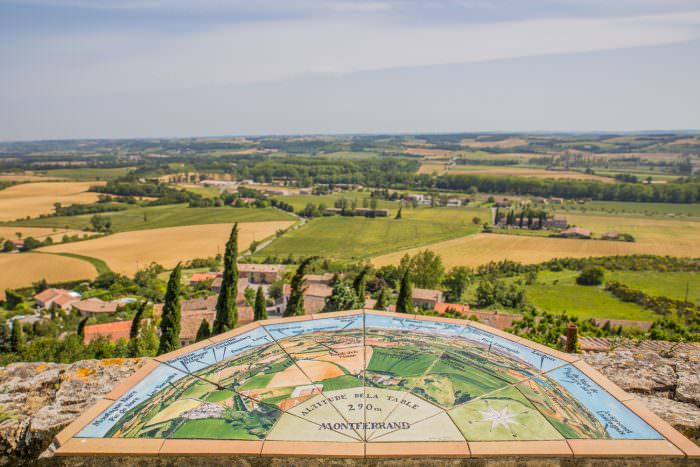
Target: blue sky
[128,68]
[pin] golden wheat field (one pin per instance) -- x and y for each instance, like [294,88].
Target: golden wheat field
[128,251]
[478,249]
[24,177]
[21,269]
[40,233]
[33,199]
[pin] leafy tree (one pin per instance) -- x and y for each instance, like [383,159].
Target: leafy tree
[13,299]
[427,270]
[204,331]
[404,302]
[260,305]
[170,320]
[382,300]
[17,341]
[8,246]
[457,281]
[359,285]
[477,220]
[342,298]
[249,295]
[226,310]
[295,305]
[591,275]
[101,223]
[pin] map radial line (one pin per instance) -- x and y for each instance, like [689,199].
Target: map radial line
[328,401]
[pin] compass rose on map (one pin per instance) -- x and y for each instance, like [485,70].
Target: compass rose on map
[498,418]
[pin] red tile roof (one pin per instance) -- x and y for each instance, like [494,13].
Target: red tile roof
[115,331]
[442,307]
[203,276]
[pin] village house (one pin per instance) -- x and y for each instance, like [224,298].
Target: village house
[576,232]
[61,297]
[113,331]
[261,273]
[556,200]
[324,278]
[314,296]
[95,307]
[454,202]
[426,298]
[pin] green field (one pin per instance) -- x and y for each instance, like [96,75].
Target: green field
[82,174]
[620,208]
[400,363]
[172,215]
[361,237]
[300,201]
[556,292]
[667,284]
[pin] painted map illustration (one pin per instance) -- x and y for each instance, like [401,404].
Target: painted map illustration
[368,377]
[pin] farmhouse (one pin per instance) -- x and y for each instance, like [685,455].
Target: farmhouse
[95,307]
[61,297]
[576,232]
[426,298]
[113,331]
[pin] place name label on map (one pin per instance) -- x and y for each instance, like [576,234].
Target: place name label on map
[614,423]
[581,381]
[340,426]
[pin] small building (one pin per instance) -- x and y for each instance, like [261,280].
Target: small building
[95,307]
[426,298]
[576,232]
[261,273]
[611,236]
[556,222]
[556,200]
[454,202]
[61,297]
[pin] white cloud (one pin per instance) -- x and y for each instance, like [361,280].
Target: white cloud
[149,61]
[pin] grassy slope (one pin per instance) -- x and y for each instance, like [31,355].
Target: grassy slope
[619,208]
[582,301]
[667,284]
[360,237]
[164,216]
[300,201]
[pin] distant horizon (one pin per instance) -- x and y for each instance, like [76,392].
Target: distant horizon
[412,133]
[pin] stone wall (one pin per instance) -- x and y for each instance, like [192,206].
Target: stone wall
[37,400]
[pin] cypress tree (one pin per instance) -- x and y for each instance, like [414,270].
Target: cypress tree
[204,331]
[398,213]
[359,286]
[136,322]
[260,305]
[295,305]
[404,303]
[382,300]
[170,320]
[226,311]
[17,337]
[81,328]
